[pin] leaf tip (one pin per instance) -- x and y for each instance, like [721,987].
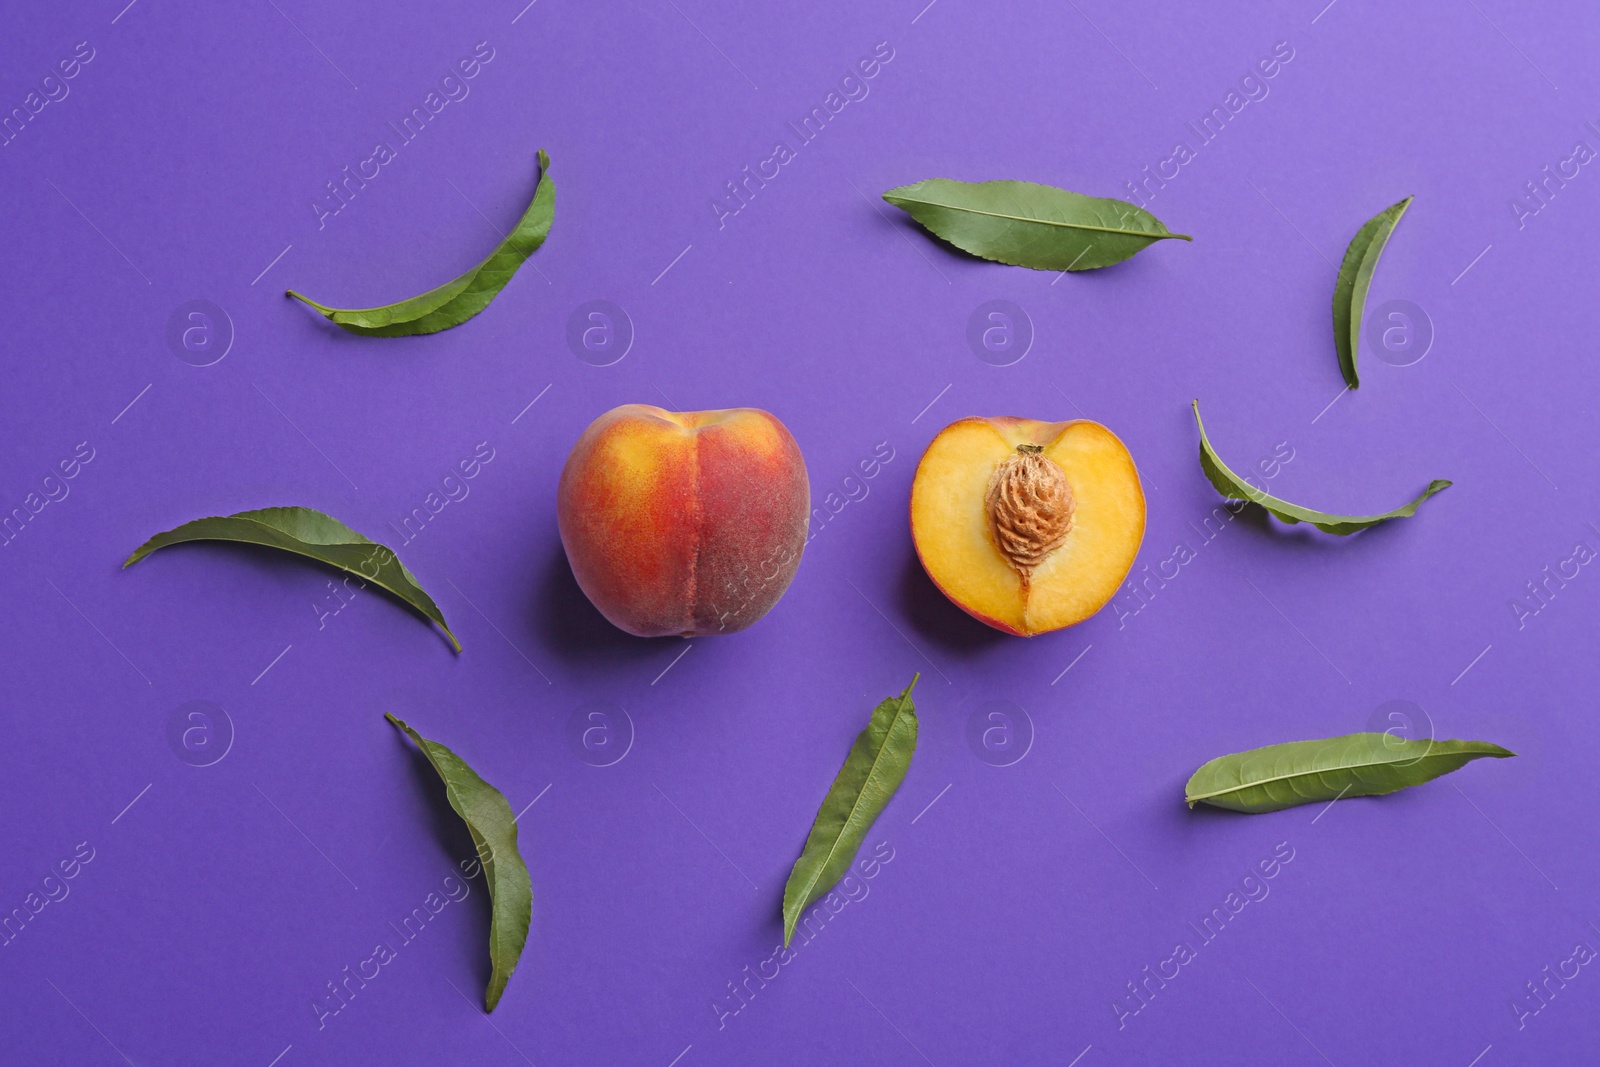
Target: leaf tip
[544,160]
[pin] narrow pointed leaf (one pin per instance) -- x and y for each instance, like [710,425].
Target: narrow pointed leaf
[1030,225]
[1355,277]
[1234,487]
[310,533]
[1307,772]
[459,299]
[873,770]
[494,833]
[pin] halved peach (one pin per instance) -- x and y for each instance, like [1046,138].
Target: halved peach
[1027,526]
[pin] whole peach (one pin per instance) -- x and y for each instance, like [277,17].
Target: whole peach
[688,523]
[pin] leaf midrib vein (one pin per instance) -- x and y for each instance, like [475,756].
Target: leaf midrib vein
[1045,222]
[378,579]
[1310,774]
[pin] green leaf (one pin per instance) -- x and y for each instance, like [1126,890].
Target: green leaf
[1030,225]
[873,770]
[494,833]
[1306,772]
[1355,276]
[1233,487]
[457,300]
[310,533]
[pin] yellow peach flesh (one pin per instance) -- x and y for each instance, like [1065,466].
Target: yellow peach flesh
[951,528]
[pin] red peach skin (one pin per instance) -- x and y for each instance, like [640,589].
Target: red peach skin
[687,523]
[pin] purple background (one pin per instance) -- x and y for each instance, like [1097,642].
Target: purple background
[1021,899]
